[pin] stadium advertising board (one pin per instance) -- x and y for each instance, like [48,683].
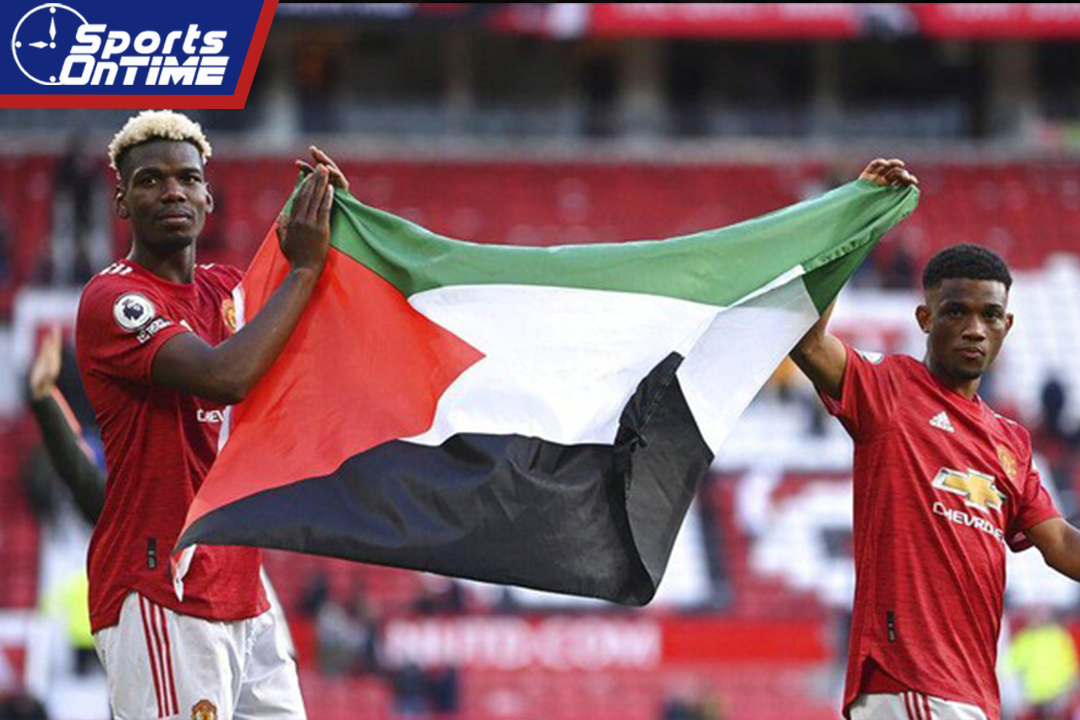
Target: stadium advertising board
[405,15]
[726,19]
[836,20]
[83,54]
[1016,20]
[596,642]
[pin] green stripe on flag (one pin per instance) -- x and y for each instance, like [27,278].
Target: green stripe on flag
[825,283]
[716,267]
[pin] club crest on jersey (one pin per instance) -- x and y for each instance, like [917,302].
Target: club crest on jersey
[228,314]
[977,489]
[1008,461]
[204,710]
[133,311]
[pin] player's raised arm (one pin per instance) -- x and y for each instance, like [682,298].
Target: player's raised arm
[822,356]
[226,372]
[69,455]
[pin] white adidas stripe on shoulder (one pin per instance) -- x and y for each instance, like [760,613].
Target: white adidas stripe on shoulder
[874,358]
[117,268]
[999,416]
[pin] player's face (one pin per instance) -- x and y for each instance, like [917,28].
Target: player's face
[966,322]
[165,195]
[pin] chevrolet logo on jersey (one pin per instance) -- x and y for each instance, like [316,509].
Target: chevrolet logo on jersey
[977,489]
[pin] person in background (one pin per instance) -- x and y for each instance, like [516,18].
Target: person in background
[1044,658]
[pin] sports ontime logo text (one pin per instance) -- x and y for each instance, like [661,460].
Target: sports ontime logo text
[54,44]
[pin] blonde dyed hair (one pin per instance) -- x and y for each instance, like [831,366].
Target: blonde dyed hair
[157,125]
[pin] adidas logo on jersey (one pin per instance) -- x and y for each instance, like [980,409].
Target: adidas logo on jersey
[941,422]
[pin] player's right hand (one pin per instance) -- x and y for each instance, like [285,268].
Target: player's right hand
[889,172]
[304,235]
[337,178]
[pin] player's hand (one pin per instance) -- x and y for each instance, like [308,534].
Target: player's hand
[337,178]
[45,370]
[889,172]
[304,236]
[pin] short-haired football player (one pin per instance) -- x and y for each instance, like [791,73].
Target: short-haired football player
[943,487]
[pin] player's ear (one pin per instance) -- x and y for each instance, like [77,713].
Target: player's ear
[1009,318]
[922,316]
[120,200]
[209,200]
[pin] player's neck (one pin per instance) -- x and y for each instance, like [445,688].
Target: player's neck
[966,387]
[177,266]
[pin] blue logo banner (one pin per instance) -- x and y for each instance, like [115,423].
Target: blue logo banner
[122,47]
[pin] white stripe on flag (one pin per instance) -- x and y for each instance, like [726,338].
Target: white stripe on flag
[739,352]
[560,363]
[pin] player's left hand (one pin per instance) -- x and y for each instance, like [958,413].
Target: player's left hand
[337,178]
[45,370]
[889,172]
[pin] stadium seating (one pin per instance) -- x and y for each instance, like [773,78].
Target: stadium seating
[26,184]
[767,692]
[1027,211]
[389,589]
[19,530]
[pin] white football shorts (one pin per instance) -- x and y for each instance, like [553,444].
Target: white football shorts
[911,706]
[161,664]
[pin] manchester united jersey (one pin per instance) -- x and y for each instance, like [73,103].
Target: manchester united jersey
[159,444]
[942,485]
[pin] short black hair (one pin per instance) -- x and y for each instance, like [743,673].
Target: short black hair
[966,262]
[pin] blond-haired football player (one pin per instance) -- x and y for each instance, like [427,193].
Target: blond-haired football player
[160,360]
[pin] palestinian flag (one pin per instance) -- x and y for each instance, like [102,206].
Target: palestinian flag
[529,416]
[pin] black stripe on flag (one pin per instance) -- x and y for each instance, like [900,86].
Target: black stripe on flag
[593,520]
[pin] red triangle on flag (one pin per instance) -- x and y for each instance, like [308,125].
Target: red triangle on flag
[362,368]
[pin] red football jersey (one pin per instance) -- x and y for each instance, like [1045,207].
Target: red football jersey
[942,485]
[159,444]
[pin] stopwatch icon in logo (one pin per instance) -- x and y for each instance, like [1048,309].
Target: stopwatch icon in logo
[42,41]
